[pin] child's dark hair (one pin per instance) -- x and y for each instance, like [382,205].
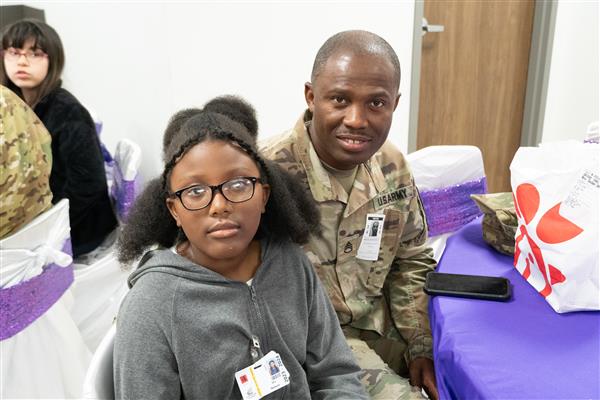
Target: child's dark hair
[44,38]
[290,211]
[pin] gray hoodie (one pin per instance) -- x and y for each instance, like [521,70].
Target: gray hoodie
[184,330]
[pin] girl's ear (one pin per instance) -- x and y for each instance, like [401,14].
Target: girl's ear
[173,210]
[266,194]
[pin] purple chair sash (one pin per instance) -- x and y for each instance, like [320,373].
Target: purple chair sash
[22,304]
[105,153]
[123,192]
[449,208]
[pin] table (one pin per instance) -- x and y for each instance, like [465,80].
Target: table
[520,349]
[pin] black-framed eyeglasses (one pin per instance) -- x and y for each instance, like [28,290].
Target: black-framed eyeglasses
[236,190]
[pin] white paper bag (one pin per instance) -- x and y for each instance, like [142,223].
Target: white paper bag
[556,190]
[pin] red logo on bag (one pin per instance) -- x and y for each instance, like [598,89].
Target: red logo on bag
[243,379]
[552,228]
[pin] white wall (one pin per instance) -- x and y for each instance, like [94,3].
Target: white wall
[135,64]
[572,98]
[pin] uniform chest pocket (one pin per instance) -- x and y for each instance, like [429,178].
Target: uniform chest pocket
[395,221]
[372,274]
[360,276]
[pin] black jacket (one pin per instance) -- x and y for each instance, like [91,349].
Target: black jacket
[77,169]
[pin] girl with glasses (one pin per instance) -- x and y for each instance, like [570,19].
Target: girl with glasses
[228,287]
[32,64]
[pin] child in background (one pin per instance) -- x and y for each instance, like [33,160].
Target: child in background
[33,60]
[229,288]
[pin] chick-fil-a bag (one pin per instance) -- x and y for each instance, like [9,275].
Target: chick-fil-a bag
[556,191]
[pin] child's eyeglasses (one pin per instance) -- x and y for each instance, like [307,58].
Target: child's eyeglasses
[13,55]
[236,190]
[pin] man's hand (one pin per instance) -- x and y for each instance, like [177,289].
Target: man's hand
[422,375]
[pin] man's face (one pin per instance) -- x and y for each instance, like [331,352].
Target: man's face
[352,101]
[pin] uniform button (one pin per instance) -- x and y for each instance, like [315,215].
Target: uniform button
[348,247]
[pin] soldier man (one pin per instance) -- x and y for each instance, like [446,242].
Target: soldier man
[26,161]
[338,150]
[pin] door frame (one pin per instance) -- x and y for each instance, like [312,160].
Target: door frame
[538,72]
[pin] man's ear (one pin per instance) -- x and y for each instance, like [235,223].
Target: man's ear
[266,194]
[172,209]
[309,95]
[397,100]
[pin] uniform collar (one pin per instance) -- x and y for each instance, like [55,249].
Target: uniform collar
[369,181]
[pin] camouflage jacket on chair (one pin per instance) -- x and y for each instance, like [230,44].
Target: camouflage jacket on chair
[26,162]
[385,296]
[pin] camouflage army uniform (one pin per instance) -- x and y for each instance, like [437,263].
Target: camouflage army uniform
[373,299]
[500,222]
[26,158]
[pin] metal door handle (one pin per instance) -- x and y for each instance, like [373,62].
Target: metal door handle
[430,28]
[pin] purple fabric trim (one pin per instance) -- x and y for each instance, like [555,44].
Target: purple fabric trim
[22,304]
[98,126]
[124,192]
[109,166]
[447,209]
[105,153]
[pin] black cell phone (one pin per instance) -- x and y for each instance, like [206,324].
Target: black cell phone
[470,286]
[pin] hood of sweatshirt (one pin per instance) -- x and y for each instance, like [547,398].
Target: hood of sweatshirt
[166,261]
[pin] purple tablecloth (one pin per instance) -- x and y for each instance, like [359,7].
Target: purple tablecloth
[520,349]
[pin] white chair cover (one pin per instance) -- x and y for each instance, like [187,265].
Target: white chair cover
[125,180]
[445,177]
[129,157]
[47,358]
[99,382]
[98,290]
[100,284]
[593,133]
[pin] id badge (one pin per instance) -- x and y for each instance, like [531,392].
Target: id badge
[263,377]
[371,239]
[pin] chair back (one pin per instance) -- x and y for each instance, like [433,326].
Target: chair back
[35,245]
[100,282]
[592,134]
[43,353]
[446,176]
[99,382]
[125,185]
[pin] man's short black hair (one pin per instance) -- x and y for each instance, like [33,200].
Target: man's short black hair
[357,42]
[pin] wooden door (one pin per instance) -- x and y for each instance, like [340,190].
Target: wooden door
[473,79]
